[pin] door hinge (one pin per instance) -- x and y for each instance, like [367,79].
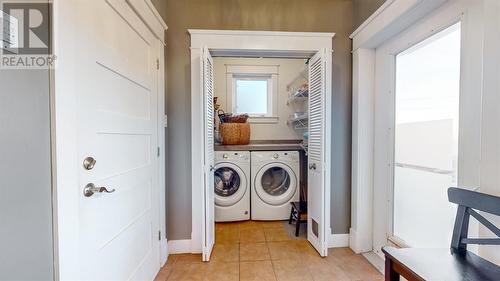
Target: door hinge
[158,151]
[159,235]
[157,63]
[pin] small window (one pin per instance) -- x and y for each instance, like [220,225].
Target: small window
[253,90]
[252,96]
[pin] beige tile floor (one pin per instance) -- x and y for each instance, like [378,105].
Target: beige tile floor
[267,251]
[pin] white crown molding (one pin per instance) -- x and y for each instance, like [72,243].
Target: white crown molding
[373,16]
[255,43]
[150,16]
[390,19]
[156,13]
[260,33]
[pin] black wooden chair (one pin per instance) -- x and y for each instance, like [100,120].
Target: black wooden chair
[456,263]
[298,214]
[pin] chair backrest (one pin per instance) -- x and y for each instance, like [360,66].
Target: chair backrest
[468,202]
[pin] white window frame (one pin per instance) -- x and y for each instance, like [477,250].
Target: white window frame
[373,67]
[269,72]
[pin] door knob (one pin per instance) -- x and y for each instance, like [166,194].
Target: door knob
[312,166]
[89,163]
[90,189]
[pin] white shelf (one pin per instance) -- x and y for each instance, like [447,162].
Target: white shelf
[296,100]
[300,122]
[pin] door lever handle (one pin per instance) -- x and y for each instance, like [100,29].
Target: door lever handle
[212,168]
[90,189]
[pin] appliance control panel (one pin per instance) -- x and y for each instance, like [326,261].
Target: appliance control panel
[232,156]
[279,156]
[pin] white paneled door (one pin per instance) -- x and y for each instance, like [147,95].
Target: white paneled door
[209,163]
[318,182]
[107,76]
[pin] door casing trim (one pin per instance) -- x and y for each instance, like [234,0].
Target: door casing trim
[248,44]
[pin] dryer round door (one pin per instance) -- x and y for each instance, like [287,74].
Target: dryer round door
[275,183]
[230,184]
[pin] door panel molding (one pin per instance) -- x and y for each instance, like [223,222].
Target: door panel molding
[81,122]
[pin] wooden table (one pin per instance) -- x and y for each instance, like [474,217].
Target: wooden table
[437,265]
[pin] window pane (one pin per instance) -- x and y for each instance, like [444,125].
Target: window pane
[251,96]
[426,139]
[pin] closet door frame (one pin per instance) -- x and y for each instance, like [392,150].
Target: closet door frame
[249,44]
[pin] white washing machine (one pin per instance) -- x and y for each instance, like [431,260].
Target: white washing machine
[232,186]
[275,183]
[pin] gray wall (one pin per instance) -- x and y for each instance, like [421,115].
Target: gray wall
[26,243]
[25,173]
[284,15]
[363,9]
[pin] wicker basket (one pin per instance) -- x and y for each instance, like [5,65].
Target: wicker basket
[235,133]
[236,118]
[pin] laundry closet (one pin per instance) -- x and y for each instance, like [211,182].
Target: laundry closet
[261,110]
[261,140]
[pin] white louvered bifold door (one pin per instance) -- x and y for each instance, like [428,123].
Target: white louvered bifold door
[208,94]
[316,221]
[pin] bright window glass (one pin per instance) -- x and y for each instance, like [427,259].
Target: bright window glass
[251,96]
[426,139]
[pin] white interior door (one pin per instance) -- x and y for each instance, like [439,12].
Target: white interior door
[106,89]
[318,195]
[209,163]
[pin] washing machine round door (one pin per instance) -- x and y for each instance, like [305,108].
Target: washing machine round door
[275,184]
[230,184]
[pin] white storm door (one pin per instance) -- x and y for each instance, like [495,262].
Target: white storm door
[107,75]
[209,159]
[317,226]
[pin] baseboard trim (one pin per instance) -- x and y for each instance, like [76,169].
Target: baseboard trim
[375,260]
[179,246]
[358,244]
[338,241]
[184,246]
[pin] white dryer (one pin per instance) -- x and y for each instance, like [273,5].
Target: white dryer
[232,186]
[275,183]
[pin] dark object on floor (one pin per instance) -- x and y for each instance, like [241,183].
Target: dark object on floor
[298,214]
[455,263]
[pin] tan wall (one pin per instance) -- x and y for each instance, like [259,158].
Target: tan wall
[363,9]
[284,15]
[161,6]
[288,69]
